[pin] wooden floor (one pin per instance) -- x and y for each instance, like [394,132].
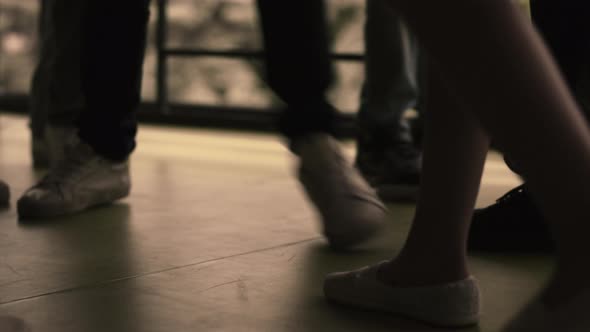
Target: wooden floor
[216,236]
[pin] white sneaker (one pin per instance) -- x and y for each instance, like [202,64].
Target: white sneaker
[349,208]
[81,180]
[453,304]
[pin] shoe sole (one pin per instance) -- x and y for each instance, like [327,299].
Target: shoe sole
[364,304]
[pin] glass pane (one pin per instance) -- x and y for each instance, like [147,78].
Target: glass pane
[345,93]
[346,19]
[214,81]
[18,44]
[213,24]
[230,24]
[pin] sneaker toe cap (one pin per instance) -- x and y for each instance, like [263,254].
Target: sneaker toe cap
[39,202]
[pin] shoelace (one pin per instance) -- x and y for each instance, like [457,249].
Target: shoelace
[514,193]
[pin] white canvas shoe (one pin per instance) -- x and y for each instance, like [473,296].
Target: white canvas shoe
[454,304]
[349,208]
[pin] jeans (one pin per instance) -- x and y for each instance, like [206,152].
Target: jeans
[393,68]
[56,90]
[113,51]
[90,70]
[298,66]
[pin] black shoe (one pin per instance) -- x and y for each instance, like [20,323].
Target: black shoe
[390,162]
[4,194]
[417,130]
[513,224]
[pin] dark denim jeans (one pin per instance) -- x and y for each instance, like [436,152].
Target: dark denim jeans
[298,66]
[113,50]
[393,72]
[90,71]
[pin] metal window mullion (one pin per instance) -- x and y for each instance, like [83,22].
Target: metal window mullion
[161,58]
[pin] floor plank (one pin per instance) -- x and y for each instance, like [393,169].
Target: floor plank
[216,236]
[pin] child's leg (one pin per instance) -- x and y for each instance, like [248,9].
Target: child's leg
[455,148]
[495,62]
[428,280]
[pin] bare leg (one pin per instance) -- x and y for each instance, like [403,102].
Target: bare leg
[492,63]
[455,148]
[495,62]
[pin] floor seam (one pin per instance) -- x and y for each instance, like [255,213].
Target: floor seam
[174,268]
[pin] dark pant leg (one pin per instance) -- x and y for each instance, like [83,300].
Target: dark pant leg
[56,96]
[112,59]
[38,92]
[391,62]
[298,63]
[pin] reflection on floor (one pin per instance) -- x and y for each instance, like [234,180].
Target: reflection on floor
[215,237]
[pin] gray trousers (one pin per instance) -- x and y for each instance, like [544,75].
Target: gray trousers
[393,66]
[56,90]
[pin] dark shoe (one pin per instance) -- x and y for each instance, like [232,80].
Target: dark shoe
[417,130]
[4,194]
[512,224]
[391,163]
